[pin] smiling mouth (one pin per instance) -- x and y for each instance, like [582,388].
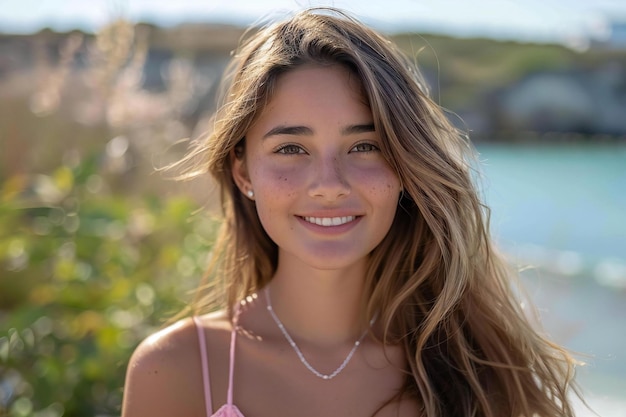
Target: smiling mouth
[329,221]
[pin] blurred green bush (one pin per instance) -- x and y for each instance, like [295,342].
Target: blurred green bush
[95,251]
[84,276]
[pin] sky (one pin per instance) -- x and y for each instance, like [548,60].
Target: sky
[562,21]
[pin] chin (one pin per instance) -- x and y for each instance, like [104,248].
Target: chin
[332,262]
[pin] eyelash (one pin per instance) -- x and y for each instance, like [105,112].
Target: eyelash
[283,149]
[371,146]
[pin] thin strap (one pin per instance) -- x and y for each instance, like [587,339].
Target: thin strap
[205,367]
[231,370]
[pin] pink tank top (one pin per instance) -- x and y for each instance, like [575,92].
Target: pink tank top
[228,409]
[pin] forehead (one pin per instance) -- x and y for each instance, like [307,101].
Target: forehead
[347,76]
[332,90]
[309,73]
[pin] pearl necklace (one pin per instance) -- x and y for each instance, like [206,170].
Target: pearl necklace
[299,352]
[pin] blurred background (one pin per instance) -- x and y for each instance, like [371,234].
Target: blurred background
[97,249]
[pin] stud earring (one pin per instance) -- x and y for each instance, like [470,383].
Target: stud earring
[250,193]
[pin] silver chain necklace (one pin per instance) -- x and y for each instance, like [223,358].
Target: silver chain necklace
[299,352]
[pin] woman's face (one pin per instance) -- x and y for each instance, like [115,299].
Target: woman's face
[323,191]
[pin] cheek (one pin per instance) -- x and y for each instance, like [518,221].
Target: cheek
[274,191]
[274,187]
[383,187]
[382,183]
[272,180]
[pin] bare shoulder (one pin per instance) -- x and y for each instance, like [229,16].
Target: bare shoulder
[164,376]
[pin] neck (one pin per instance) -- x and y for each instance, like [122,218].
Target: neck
[319,306]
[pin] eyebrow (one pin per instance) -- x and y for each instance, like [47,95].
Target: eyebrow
[354,129]
[305,131]
[289,130]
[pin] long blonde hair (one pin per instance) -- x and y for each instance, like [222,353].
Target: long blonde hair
[436,282]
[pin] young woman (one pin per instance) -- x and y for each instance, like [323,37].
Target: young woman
[360,276]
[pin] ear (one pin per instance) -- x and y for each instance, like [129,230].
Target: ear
[240,172]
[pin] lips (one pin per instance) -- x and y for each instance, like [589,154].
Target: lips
[329,221]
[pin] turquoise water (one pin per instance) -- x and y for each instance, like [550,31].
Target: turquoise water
[566,197]
[562,210]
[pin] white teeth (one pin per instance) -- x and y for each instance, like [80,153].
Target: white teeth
[329,221]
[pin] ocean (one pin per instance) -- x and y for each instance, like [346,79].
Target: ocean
[560,211]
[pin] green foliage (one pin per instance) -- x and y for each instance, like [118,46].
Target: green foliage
[85,275]
[464,69]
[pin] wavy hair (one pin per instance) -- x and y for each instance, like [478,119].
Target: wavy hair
[436,281]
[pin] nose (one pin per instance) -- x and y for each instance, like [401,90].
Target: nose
[329,179]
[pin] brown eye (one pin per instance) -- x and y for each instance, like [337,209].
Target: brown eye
[365,147]
[290,149]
